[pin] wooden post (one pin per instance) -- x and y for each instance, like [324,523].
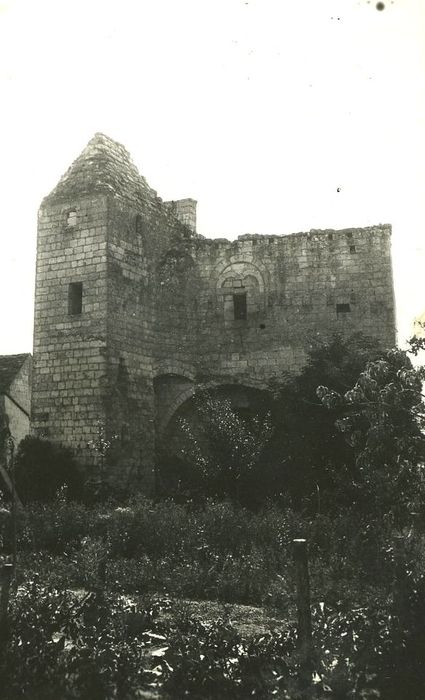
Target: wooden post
[14,506]
[6,479]
[101,570]
[6,577]
[305,645]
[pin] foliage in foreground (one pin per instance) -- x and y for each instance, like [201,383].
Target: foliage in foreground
[42,468]
[357,442]
[382,418]
[100,647]
[223,450]
[218,552]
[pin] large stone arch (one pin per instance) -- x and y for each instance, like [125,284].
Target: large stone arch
[182,391]
[183,431]
[171,389]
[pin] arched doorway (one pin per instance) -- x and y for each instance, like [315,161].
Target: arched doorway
[212,439]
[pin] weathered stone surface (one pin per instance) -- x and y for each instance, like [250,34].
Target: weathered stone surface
[15,395]
[159,307]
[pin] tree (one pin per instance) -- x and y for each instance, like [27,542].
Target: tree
[219,450]
[309,454]
[41,468]
[382,420]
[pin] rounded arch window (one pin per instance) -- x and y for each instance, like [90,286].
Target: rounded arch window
[241,297]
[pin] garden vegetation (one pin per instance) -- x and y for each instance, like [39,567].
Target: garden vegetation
[105,588]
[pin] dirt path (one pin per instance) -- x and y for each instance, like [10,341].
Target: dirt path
[247,619]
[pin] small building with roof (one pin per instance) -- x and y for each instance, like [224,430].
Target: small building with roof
[15,395]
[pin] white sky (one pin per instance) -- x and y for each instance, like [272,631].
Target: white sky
[259,109]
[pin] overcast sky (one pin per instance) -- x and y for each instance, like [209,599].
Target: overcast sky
[276,115]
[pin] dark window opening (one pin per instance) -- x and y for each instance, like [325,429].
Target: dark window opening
[71,219]
[138,224]
[343,308]
[75,298]
[330,236]
[239,307]
[352,248]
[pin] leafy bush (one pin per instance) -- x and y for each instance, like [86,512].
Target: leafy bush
[382,419]
[218,448]
[367,582]
[221,551]
[290,448]
[212,660]
[41,469]
[98,646]
[61,646]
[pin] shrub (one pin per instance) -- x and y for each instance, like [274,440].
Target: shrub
[61,646]
[42,468]
[56,526]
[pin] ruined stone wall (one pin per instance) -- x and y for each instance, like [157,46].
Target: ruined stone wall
[105,242]
[69,363]
[295,289]
[140,233]
[133,309]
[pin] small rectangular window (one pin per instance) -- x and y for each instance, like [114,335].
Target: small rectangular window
[343,308]
[239,307]
[75,298]
[71,218]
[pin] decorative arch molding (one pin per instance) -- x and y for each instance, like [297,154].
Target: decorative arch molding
[241,290]
[239,268]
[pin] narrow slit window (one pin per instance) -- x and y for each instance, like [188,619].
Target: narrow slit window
[343,308]
[139,224]
[239,307]
[75,298]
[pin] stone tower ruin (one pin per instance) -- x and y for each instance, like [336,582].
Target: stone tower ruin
[133,308]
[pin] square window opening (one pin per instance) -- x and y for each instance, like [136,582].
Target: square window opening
[71,219]
[75,298]
[343,308]
[240,307]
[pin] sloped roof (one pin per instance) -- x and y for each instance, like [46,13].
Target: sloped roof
[9,368]
[104,166]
